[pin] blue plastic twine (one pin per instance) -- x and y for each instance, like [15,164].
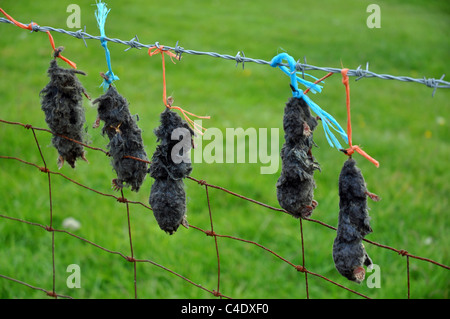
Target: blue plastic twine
[100,15]
[327,120]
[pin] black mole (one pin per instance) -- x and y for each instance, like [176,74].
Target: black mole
[295,186]
[125,139]
[349,254]
[170,165]
[61,101]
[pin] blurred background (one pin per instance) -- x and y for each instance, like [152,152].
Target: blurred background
[400,124]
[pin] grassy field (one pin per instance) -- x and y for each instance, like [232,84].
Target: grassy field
[400,124]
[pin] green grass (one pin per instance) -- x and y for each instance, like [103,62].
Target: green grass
[398,123]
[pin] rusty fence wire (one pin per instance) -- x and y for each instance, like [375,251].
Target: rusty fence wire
[130,257]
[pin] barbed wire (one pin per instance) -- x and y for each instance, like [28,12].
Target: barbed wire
[241,58]
[210,232]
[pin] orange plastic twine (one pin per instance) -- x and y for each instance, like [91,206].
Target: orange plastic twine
[52,42]
[30,27]
[319,80]
[195,126]
[352,148]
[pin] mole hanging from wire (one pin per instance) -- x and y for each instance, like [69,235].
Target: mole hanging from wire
[126,146]
[170,161]
[328,122]
[349,254]
[61,101]
[295,186]
[170,165]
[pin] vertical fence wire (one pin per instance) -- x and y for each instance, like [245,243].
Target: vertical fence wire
[215,240]
[303,258]
[130,259]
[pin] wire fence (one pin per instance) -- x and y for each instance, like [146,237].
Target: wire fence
[122,200]
[240,57]
[209,232]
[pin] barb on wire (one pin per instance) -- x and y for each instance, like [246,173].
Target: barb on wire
[79,35]
[133,43]
[358,72]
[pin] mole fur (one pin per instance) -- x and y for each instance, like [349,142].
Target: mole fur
[61,101]
[349,254]
[295,186]
[125,139]
[167,195]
